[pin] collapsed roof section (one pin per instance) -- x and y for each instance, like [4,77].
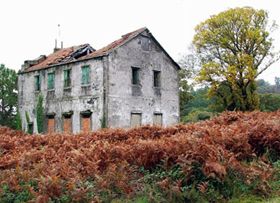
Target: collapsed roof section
[60,56]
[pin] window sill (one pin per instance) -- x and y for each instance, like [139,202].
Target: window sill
[66,88]
[86,85]
[136,85]
[51,90]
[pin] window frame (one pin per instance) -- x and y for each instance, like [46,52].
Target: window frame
[87,83]
[37,83]
[131,115]
[53,81]
[156,78]
[135,75]
[157,114]
[67,78]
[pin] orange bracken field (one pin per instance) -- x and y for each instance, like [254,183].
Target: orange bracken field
[115,162]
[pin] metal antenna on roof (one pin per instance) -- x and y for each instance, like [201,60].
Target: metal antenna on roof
[59,36]
[58,39]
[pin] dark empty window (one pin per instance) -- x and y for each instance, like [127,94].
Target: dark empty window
[67,78]
[135,76]
[156,78]
[37,83]
[50,81]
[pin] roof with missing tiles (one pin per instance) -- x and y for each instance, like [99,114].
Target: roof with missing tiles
[82,52]
[61,56]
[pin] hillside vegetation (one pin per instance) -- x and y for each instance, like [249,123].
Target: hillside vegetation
[229,158]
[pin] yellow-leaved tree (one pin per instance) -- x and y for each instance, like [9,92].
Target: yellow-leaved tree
[234,48]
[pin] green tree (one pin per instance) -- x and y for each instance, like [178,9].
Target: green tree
[277,84]
[264,86]
[8,96]
[269,102]
[40,114]
[234,48]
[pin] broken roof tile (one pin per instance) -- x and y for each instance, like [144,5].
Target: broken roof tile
[59,56]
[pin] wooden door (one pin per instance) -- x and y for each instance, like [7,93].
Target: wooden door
[67,124]
[85,124]
[51,125]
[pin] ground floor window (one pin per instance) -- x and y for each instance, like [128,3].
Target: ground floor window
[136,119]
[157,119]
[67,122]
[86,121]
[50,123]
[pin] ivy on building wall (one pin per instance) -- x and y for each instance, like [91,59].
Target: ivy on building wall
[40,114]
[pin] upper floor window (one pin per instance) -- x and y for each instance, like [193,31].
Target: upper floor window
[135,76]
[156,78]
[85,75]
[67,78]
[51,81]
[37,83]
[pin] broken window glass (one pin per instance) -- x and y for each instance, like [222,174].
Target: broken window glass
[50,81]
[37,83]
[135,76]
[67,78]
[85,75]
[156,78]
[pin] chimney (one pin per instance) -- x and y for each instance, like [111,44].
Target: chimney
[55,47]
[29,63]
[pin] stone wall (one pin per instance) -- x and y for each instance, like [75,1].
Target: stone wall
[125,98]
[75,99]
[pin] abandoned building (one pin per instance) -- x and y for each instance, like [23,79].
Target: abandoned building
[130,82]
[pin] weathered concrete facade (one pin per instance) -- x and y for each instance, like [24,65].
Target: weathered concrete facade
[111,97]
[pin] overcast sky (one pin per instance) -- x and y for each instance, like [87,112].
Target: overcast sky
[29,27]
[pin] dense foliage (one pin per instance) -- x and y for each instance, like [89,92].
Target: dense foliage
[8,96]
[40,114]
[269,102]
[234,48]
[229,156]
